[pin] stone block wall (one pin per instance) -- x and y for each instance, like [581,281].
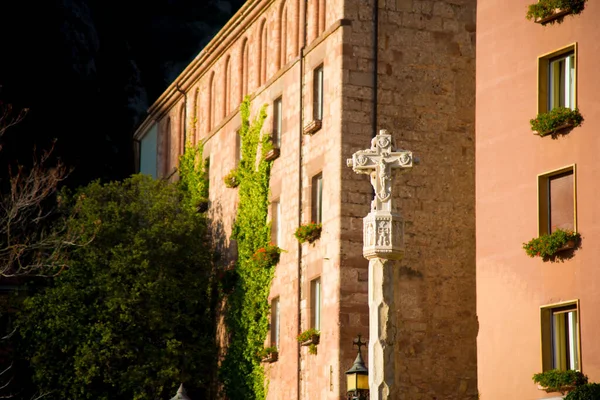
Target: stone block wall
[426,99]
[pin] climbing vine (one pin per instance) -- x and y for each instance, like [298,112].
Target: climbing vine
[193,178]
[248,307]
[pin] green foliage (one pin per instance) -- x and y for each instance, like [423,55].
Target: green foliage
[248,306]
[312,349]
[308,334]
[308,232]
[267,256]
[232,179]
[548,123]
[559,381]
[130,318]
[193,179]
[267,351]
[549,245]
[589,391]
[545,8]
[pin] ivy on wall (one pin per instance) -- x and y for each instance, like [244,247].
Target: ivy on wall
[248,308]
[193,178]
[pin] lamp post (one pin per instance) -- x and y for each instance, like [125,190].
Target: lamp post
[358,375]
[181,394]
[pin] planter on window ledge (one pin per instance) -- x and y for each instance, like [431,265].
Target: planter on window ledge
[267,256]
[310,338]
[549,245]
[269,354]
[272,154]
[312,127]
[308,232]
[555,120]
[559,381]
[551,11]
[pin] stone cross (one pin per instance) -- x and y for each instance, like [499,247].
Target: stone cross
[383,228]
[378,162]
[383,242]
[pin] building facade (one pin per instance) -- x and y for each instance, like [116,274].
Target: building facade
[315,64]
[535,313]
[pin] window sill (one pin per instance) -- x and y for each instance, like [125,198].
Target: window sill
[564,126]
[312,127]
[271,358]
[313,340]
[558,13]
[272,154]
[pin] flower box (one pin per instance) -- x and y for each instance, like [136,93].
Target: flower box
[232,179]
[308,337]
[312,127]
[549,245]
[267,256]
[271,357]
[558,13]
[551,11]
[555,120]
[272,154]
[308,232]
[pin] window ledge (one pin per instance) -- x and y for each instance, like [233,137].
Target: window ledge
[559,128]
[312,127]
[271,358]
[272,154]
[558,13]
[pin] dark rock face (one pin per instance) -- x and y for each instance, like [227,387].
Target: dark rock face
[88,70]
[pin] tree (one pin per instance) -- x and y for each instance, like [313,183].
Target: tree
[130,317]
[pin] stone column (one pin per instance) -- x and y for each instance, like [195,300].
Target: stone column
[383,243]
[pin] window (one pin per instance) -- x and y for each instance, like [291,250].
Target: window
[318,93]
[275,322]
[276,222]
[557,200]
[238,147]
[317,198]
[560,336]
[315,303]
[277,123]
[148,147]
[167,143]
[557,79]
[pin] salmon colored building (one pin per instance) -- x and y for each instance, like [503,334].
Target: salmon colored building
[536,313]
[332,73]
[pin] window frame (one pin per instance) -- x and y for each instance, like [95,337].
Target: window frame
[543,83]
[276,236]
[316,302]
[316,203]
[547,337]
[275,323]
[318,92]
[543,197]
[277,122]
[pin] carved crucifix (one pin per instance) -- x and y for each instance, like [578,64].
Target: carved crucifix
[378,162]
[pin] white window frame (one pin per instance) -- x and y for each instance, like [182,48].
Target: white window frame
[316,303]
[318,80]
[275,321]
[277,122]
[561,79]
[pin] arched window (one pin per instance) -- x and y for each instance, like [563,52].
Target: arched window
[227,87]
[167,148]
[262,59]
[211,102]
[283,36]
[195,117]
[182,133]
[244,69]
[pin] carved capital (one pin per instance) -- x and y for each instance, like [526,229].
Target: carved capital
[383,235]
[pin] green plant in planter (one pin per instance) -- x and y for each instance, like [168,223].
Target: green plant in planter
[308,335]
[232,179]
[589,391]
[549,245]
[546,8]
[267,351]
[308,232]
[556,380]
[267,256]
[547,123]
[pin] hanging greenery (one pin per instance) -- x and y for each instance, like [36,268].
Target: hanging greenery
[193,179]
[248,308]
